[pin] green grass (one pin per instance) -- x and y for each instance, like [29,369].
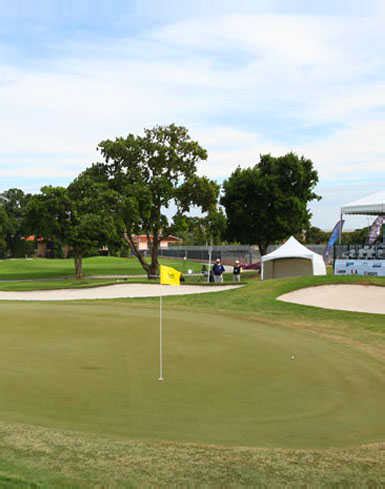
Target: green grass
[68,283]
[62,367]
[59,284]
[59,459]
[37,268]
[81,406]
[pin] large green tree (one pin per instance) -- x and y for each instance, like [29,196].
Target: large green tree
[149,173]
[15,204]
[78,216]
[5,228]
[269,201]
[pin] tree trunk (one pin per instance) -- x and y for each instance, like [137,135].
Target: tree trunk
[129,239]
[154,266]
[78,266]
[262,248]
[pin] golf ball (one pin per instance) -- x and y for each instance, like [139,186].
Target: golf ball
[292,357]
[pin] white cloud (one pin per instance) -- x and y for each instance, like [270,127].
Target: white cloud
[352,151]
[229,148]
[218,76]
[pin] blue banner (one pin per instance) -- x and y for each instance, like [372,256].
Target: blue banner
[333,239]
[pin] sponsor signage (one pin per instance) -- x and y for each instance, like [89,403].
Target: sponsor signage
[375,268]
[375,229]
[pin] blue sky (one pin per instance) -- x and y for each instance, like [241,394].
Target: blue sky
[246,77]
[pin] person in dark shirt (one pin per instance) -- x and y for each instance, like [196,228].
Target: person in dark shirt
[218,270]
[237,269]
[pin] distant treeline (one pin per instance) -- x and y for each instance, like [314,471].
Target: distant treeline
[317,236]
[140,178]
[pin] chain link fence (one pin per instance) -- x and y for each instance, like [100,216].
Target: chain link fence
[227,254]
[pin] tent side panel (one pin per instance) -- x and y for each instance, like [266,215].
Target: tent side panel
[291,267]
[319,267]
[267,270]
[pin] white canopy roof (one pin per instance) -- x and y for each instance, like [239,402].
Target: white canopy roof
[291,249]
[371,205]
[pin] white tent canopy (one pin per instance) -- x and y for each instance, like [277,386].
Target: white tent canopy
[290,260]
[372,205]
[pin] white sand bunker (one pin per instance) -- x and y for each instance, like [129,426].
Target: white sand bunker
[357,298]
[118,291]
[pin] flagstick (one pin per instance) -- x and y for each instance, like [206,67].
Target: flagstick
[160,337]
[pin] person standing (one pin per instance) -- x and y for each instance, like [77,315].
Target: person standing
[237,271]
[218,270]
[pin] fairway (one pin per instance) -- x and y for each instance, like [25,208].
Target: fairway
[93,367]
[37,268]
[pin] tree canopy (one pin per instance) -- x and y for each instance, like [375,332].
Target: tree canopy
[149,173]
[269,201]
[13,204]
[77,216]
[5,228]
[200,230]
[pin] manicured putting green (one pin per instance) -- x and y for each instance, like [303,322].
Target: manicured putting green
[94,367]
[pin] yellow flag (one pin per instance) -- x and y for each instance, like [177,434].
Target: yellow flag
[169,276]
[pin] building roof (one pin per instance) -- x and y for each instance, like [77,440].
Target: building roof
[32,237]
[163,238]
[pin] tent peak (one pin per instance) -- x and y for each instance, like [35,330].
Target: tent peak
[291,248]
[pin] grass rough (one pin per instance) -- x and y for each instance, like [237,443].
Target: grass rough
[38,268]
